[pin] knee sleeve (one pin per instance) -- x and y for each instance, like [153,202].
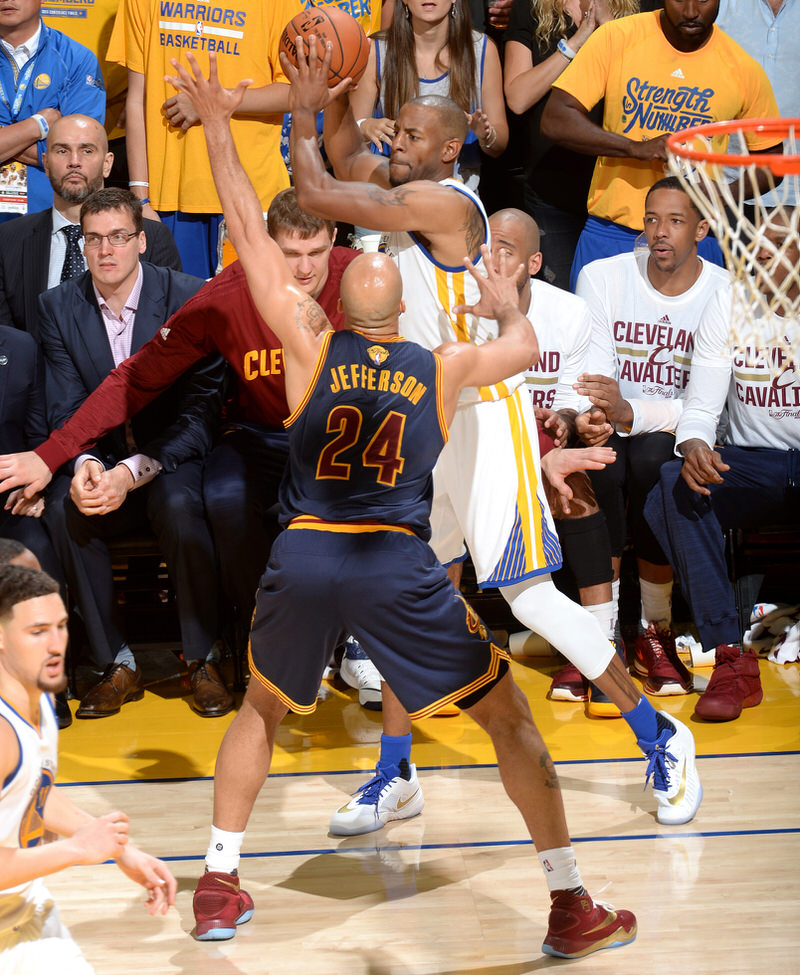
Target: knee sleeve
[567,626]
[587,549]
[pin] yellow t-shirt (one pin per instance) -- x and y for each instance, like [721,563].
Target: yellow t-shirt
[89,22]
[650,89]
[147,34]
[366,12]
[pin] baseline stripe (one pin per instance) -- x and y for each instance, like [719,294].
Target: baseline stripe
[420,768]
[484,844]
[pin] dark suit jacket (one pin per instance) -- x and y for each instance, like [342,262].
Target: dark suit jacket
[23,420]
[182,422]
[25,261]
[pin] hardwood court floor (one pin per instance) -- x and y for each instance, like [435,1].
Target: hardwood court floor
[458,890]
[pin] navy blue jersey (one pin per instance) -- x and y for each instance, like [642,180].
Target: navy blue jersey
[365,438]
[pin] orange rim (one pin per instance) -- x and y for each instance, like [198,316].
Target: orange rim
[781,164]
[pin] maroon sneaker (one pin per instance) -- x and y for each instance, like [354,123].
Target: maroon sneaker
[569,684]
[655,659]
[219,905]
[578,926]
[735,684]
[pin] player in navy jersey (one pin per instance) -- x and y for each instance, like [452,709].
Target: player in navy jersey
[369,414]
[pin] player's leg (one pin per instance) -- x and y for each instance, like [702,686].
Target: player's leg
[300,571]
[576,926]
[654,657]
[689,527]
[383,797]
[394,791]
[242,767]
[586,549]
[667,743]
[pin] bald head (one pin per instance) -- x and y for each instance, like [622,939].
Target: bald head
[524,226]
[77,159]
[371,292]
[78,127]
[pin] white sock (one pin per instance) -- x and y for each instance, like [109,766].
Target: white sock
[223,850]
[605,616]
[656,602]
[560,868]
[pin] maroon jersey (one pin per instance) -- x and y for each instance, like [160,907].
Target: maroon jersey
[220,319]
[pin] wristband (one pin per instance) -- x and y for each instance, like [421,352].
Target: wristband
[491,140]
[41,121]
[359,122]
[144,200]
[138,182]
[566,50]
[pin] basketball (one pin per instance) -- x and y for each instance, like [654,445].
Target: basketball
[329,23]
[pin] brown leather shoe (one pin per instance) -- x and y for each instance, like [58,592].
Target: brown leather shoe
[212,698]
[117,685]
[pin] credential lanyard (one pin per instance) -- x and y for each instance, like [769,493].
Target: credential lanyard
[21,81]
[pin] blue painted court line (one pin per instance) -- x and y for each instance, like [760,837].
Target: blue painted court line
[420,768]
[486,844]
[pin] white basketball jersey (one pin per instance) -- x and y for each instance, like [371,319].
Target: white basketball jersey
[22,799]
[431,290]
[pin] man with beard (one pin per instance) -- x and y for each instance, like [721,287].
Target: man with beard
[40,250]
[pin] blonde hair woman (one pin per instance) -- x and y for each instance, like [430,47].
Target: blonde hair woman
[543,36]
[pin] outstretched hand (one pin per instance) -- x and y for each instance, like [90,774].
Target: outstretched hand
[559,464]
[208,98]
[26,470]
[308,79]
[154,875]
[498,287]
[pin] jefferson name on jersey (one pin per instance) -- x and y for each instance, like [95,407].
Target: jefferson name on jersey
[358,375]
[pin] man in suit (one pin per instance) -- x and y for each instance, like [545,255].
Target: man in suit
[23,425]
[40,250]
[147,473]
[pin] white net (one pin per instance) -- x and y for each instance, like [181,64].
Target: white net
[753,208]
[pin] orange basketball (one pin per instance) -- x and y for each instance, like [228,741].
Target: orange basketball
[329,23]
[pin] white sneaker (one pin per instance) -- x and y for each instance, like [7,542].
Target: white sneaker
[359,672]
[676,784]
[386,797]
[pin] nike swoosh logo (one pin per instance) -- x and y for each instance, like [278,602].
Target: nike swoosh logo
[679,795]
[228,883]
[401,803]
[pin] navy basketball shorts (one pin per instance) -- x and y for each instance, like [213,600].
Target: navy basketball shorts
[386,588]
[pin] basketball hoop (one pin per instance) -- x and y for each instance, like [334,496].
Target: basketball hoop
[744,201]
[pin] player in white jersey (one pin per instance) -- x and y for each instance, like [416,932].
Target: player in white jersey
[33,639]
[753,479]
[562,323]
[411,194]
[645,308]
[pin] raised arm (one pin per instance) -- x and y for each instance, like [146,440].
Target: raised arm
[293,315]
[424,206]
[515,347]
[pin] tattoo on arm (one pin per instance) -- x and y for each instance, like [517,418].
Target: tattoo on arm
[473,228]
[397,197]
[309,317]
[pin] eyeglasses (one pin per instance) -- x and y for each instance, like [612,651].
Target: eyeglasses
[117,239]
